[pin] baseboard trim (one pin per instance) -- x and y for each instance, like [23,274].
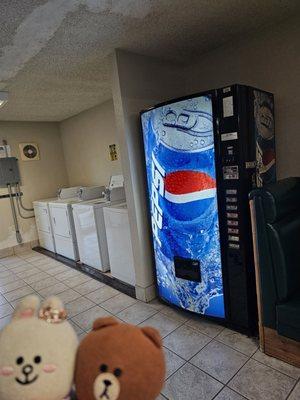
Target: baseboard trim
[280,347]
[92,272]
[145,294]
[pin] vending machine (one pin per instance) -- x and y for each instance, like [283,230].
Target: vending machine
[203,155]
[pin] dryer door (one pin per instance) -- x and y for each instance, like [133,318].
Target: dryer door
[60,219]
[42,218]
[87,238]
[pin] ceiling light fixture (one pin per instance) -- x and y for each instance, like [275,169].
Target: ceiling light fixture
[3,98]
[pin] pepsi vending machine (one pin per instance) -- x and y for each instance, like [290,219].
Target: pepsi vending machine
[204,153]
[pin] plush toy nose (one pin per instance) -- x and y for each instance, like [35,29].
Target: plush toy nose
[27,369]
[107,382]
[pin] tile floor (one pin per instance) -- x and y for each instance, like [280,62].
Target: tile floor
[204,360]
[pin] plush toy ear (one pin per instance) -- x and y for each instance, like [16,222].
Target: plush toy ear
[52,302]
[52,310]
[104,322]
[153,335]
[27,307]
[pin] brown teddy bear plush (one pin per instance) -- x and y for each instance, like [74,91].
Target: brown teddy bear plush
[119,361]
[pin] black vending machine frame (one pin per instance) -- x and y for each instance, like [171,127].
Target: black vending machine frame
[239,259]
[237,264]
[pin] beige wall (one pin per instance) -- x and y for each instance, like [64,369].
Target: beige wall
[40,179]
[85,139]
[139,82]
[270,61]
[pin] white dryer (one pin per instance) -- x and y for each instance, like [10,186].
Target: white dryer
[43,224]
[63,228]
[90,230]
[119,243]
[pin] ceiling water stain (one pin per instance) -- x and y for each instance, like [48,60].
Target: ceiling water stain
[40,26]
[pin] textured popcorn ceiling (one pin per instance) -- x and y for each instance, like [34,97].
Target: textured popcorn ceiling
[54,55]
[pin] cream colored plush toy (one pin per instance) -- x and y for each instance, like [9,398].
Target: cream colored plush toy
[37,352]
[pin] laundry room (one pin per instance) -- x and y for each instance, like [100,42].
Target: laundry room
[150,181]
[63,167]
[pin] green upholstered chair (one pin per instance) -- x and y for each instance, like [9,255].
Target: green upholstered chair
[275,214]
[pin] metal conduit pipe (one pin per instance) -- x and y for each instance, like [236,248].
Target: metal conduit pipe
[19,197]
[20,212]
[14,214]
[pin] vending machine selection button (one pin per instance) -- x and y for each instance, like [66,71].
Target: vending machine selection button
[233,230]
[233,238]
[232,215]
[234,246]
[231,208]
[232,223]
[231,199]
[231,191]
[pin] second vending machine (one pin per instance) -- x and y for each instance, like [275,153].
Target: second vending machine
[204,153]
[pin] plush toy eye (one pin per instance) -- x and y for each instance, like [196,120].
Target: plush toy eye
[117,372]
[103,368]
[37,359]
[20,360]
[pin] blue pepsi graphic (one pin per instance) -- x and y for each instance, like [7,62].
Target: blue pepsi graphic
[180,162]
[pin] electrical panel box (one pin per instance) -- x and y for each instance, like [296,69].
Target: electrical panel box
[9,171]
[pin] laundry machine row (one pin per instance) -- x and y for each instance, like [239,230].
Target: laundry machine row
[73,224]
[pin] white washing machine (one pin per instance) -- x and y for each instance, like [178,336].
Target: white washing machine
[119,243]
[63,223]
[43,224]
[90,229]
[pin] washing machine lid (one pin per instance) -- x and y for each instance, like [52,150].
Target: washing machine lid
[90,203]
[44,201]
[64,202]
[117,208]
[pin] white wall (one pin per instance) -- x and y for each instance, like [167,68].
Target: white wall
[139,82]
[40,179]
[85,139]
[270,61]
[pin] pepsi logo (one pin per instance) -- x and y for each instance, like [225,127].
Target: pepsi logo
[186,186]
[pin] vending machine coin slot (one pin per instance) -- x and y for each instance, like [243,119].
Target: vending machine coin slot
[231,172]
